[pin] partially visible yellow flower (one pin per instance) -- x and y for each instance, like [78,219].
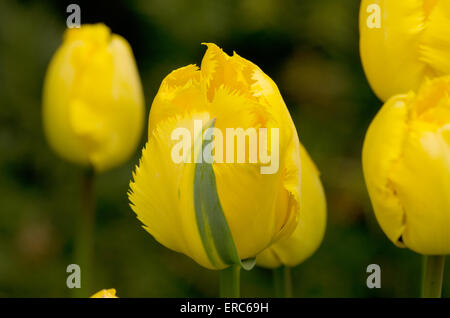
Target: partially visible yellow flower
[406,161]
[105,293]
[308,234]
[404,42]
[93,104]
[230,92]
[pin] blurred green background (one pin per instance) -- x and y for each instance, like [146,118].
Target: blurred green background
[309,48]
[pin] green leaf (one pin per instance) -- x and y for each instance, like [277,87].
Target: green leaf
[212,223]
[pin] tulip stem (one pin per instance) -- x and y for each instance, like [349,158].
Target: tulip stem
[86,219]
[433,272]
[282,282]
[230,282]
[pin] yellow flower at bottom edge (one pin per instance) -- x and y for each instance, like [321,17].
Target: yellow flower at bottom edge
[308,234]
[105,293]
[404,42]
[406,163]
[175,206]
[93,103]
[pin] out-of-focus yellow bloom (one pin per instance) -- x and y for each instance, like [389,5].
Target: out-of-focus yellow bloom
[105,293]
[406,161]
[404,42]
[93,104]
[308,234]
[259,208]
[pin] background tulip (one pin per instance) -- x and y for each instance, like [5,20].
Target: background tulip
[93,105]
[105,293]
[403,42]
[406,161]
[308,234]
[259,208]
[93,111]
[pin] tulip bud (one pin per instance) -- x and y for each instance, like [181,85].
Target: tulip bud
[406,162]
[231,208]
[93,104]
[307,236]
[105,293]
[403,42]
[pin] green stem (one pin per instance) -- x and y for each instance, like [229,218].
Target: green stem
[230,282]
[282,282]
[433,273]
[84,241]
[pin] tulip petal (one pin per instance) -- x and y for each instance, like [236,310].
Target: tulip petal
[435,43]
[382,148]
[425,192]
[161,194]
[180,92]
[219,69]
[410,44]
[304,241]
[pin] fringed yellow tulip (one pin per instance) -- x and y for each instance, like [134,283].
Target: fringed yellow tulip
[406,161]
[310,229]
[93,105]
[404,42]
[105,293]
[224,211]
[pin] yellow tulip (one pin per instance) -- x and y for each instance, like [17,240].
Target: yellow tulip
[175,207]
[308,234]
[404,42]
[105,293]
[93,104]
[406,161]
